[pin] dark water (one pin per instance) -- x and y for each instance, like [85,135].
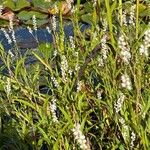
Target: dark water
[26,40]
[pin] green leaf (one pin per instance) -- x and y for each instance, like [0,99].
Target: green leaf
[25,103]
[67,116]
[26,15]
[88,18]
[46,138]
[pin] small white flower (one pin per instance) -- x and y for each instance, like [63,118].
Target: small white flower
[133,137]
[126,82]
[79,86]
[124,129]
[55,53]
[13,36]
[105,25]
[48,29]
[72,42]
[100,62]
[7,36]
[30,30]
[53,109]
[99,94]
[55,82]
[70,72]
[132,15]
[124,18]
[54,24]
[77,67]
[104,51]
[11,54]
[146,44]
[79,137]
[74,9]
[122,121]
[125,50]
[64,68]
[8,86]
[125,55]
[76,54]
[34,22]
[94,3]
[11,24]
[119,103]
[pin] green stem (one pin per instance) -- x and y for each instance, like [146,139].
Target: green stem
[109,19]
[137,18]
[120,11]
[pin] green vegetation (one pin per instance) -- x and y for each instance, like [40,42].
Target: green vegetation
[90,91]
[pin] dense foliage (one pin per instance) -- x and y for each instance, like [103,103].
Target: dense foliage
[89,91]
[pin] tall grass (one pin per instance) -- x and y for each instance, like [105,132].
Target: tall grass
[90,91]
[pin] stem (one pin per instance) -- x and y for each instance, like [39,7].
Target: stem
[120,11]
[137,18]
[109,19]
[99,10]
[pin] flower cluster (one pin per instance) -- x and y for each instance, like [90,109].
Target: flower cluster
[131,20]
[79,137]
[132,15]
[53,109]
[55,53]
[125,129]
[79,86]
[11,54]
[11,29]
[146,44]
[14,37]
[143,50]
[34,22]
[104,47]
[126,82]
[7,36]
[124,18]
[72,42]
[54,24]
[119,103]
[99,94]
[8,86]
[125,50]
[105,25]
[64,68]
[55,82]
[133,137]
[104,51]
[77,67]
[70,72]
